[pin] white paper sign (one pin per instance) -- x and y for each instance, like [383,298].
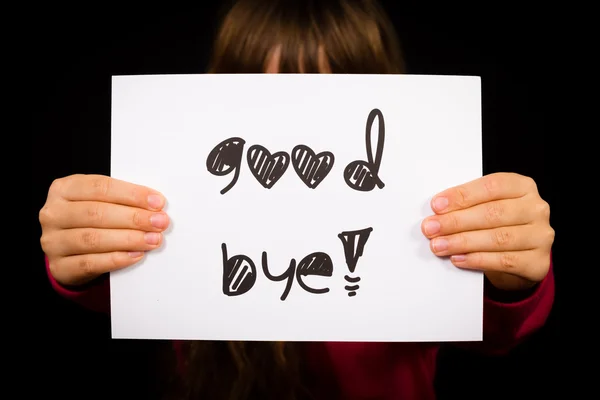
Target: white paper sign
[296,203]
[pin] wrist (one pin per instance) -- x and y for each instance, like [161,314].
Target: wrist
[508,282]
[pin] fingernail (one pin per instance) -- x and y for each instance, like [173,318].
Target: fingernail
[440,203]
[155,201]
[439,244]
[159,220]
[152,237]
[458,258]
[135,254]
[432,227]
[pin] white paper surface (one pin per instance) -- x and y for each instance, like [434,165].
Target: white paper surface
[163,129]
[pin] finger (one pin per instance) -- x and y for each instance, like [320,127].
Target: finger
[482,216]
[487,188]
[513,238]
[87,240]
[94,214]
[109,190]
[81,269]
[530,264]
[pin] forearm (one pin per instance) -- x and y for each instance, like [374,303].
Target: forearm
[511,316]
[94,296]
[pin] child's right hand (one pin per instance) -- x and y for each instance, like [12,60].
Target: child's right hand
[93,224]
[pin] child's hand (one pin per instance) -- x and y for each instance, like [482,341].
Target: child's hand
[93,224]
[498,224]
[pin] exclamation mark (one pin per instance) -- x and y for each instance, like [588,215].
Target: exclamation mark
[354,245]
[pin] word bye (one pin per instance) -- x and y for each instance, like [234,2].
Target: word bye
[312,168]
[239,271]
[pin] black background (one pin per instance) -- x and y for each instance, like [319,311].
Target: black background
[74,52]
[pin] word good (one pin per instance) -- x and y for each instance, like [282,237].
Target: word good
[312,168]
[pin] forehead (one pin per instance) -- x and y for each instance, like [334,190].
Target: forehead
[274,61]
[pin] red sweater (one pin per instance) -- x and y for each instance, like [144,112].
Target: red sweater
[389,371]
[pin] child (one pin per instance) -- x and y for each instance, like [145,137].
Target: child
[499,224]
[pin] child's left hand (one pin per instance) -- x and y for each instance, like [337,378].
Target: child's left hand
[498,224]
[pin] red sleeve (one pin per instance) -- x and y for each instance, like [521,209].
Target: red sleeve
[95,296]
[507,324]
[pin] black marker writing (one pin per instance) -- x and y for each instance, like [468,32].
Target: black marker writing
[311,168]
[226,157]
[318,264]
[239,273]
[288,274]
[354,246]
[267,168]
[364,175]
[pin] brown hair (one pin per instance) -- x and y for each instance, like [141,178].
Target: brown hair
[234,371]
[356,37]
